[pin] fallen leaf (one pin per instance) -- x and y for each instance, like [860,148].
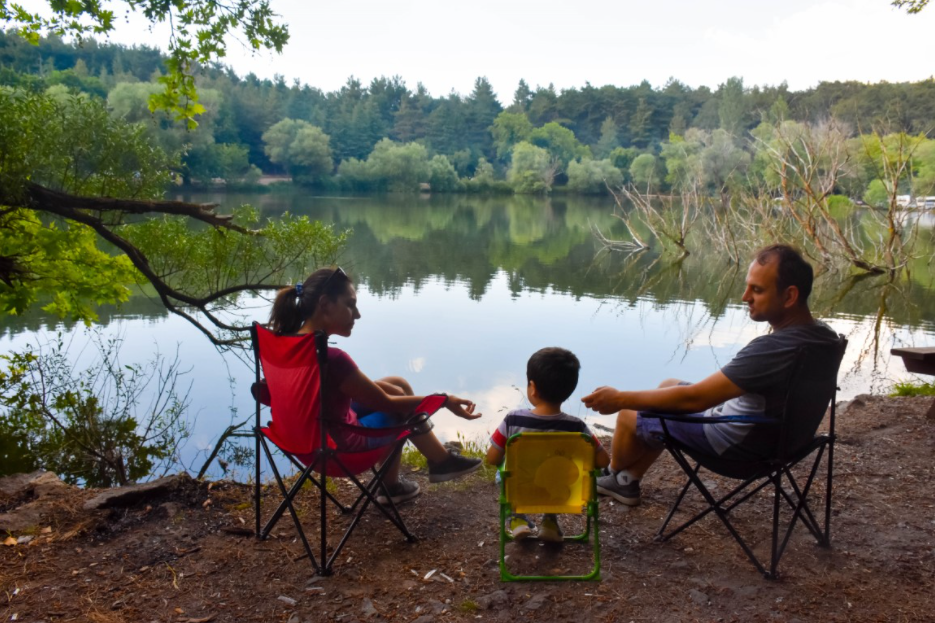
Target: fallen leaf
[46,530]
[9,541]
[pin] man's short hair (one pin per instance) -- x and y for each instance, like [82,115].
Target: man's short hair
[555,372]
[793,270]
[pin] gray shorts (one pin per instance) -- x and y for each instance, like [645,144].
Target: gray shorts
[649,430]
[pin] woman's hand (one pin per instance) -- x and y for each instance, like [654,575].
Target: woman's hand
[604,400]
[462,408]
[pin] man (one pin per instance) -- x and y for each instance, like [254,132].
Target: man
[778,283]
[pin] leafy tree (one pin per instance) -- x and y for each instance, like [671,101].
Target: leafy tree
[68,170]
[442,175]
[301,148]
[532,169]
[508,129]
[641,124]
[732,107]
[643,171]
[199,29]
[561,144]
[682,157]
[521,97]
[593,177]
[609,138]
[482,108]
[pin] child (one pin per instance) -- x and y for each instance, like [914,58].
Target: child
[551,375]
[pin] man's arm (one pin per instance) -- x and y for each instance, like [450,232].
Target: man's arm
[712,391]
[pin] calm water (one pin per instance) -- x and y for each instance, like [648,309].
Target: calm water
[457,292]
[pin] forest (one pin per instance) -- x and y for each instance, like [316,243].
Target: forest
[386,136]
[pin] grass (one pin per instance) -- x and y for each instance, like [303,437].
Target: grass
[470,448]
[909,388]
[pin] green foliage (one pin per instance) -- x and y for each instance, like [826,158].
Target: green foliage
[560,142]
[877,194]
[442,175]
[508,129]
[199,32]
[592,177]
[910,388]
[302,148]
[74,146]
[59,264]
[204,260]
[643,171]
[532,170]
[106,425]
[911,6]
[75,151]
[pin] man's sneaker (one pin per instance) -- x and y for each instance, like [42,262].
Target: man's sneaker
[400,492]
[620,486]
[453,467]
[550,531]
[519,528]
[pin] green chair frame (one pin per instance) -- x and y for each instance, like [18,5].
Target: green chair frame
[550,473]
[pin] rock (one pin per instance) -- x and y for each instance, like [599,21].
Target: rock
[41,483]
[535,602]
[436,607]
[425,618]
[23,518]
[366,606]
[698,597]
[747,591]
[169,510]
[131,494]
[289,601]
[495,600]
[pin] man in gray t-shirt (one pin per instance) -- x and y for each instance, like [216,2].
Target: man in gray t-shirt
[778,283]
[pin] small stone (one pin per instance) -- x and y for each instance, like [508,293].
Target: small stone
[425,618]
[698,597]
[495,600]
[366,606]
[535,602]
[289,601]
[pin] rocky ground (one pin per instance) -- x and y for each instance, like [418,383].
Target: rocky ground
[182,551]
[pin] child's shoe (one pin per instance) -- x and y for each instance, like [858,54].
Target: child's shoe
[549,531]
[520,528]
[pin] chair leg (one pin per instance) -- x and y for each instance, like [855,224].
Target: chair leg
[287,495]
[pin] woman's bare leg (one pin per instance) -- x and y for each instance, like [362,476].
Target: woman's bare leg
[427,443]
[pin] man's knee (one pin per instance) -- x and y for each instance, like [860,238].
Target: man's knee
[671,383]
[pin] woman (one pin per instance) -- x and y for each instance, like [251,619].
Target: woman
[327,301]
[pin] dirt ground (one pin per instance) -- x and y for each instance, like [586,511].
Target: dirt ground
[187,555]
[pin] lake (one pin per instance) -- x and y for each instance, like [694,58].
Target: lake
[456,292]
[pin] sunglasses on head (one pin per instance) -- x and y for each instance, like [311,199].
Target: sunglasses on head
[336,271]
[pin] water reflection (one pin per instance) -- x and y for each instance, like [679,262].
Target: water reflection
[456,292]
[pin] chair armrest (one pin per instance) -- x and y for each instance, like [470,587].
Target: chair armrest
[701,419]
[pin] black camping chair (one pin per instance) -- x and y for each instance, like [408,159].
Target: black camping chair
[814,374]
[296,372]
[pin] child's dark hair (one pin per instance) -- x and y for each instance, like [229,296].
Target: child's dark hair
[555,372]
[293,305]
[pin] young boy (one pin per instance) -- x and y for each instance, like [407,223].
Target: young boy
[551,375]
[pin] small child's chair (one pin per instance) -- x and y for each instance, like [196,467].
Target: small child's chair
[550,473]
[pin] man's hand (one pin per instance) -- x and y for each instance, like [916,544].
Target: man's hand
[604,400]
[462,408]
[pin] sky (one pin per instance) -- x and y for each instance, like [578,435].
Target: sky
[447,45]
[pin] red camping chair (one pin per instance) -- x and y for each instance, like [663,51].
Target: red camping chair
[295,367]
